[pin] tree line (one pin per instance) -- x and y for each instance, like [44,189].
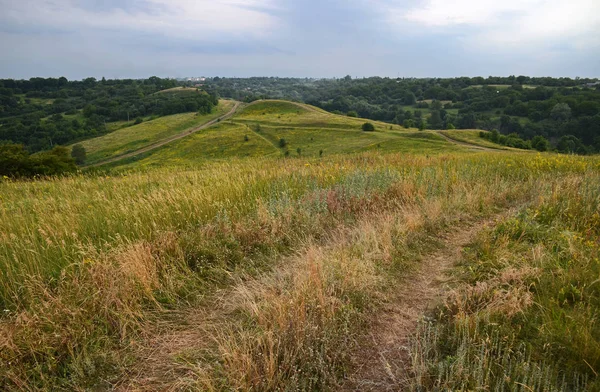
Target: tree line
[41,113]
[564,111]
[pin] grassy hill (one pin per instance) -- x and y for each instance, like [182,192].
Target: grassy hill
[257,130]
[255,272]
[132,138]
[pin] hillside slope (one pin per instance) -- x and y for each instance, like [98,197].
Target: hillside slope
[136,137]
[272,127]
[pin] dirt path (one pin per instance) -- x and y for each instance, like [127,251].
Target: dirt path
[465,144]
[383,363]
[170,139]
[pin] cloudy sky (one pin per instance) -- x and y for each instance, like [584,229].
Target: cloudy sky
[314,38]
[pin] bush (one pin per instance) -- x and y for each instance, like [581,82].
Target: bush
[78,153]
[16,162]
[540,143]
[282,143]
[368,127]
[138,120]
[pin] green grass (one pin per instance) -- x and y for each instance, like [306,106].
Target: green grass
[90,262]
[526,314]
[179,90]
[264,123]
[501,86]
[471,136]
[284,113]
[132,138]
[87,260]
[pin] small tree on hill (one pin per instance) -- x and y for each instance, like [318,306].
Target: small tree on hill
[540,143]
[368,127]
[78,153]
[560,112]
[282,143]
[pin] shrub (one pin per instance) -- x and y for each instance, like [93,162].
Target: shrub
[16,162]
[282,143]
[368,127]
[139,120]
[78,153]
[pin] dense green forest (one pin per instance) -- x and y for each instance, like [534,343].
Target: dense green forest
[564,111]
[41,113]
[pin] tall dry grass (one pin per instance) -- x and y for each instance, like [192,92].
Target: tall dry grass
[526,316]
[85,259]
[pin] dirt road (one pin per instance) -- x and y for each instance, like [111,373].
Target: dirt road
[170,139]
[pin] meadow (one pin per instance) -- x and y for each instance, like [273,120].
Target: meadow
[471,136]
[134,137]
[259,128]
[101,273]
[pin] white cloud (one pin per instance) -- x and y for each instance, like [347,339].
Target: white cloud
[190,19]
[510,22]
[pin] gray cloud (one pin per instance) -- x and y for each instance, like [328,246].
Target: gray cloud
[139,38]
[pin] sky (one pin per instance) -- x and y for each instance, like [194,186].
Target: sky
[299,38]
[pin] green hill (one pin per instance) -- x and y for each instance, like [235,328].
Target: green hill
[133,138]
[280,128]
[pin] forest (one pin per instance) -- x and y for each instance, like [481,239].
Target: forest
[563,111]
[41,113]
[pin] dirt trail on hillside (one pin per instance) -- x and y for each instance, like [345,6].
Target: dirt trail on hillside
[465,144]
[170,139]
[383,362]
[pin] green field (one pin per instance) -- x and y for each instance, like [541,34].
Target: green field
[313,131]
[471,136]
[132,138]
[218,262]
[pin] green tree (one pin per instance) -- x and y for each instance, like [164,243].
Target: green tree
[352,113]
[540,143]
[435,121]
[368,127]
[14,160]
[79,154]
[561,112]
[282,143]
[495,136]
[436,105]
[89,110]
[410,98]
